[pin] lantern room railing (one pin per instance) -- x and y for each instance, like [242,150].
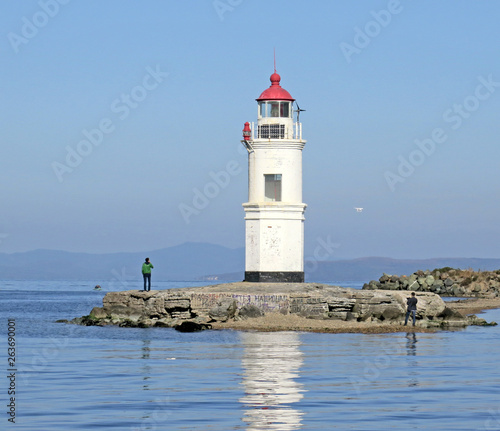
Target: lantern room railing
[276,131]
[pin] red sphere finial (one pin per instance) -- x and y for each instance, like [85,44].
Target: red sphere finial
[275,79]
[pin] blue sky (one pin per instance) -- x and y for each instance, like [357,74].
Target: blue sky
[170,84]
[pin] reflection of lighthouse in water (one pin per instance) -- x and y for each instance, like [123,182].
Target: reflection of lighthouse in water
[271,364]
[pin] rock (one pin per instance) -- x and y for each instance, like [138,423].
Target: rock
[87,321]
[190,326]
[250,311]
[385,278]
[394,279]
[448,282]
[181,315]
[318,310]
[338,315]
[128,323]
[224,310]
[162,324]
[176,304]
[476,287]
[391,313]
[350,316]
[98,312]
[457,290]
[448,313]
[375,304]
[340,303]
[413,285]
[476,321]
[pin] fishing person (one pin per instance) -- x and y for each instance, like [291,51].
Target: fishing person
[146,274]
[411,303]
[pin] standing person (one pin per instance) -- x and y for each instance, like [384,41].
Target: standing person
[412,308]
[146,273]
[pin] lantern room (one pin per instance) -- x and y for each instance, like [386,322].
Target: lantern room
[275,113]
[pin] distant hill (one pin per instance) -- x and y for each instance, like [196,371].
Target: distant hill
[202,261]
[371,268]
[189,261]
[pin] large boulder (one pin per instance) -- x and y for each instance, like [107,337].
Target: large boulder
[224,310]
[249,311]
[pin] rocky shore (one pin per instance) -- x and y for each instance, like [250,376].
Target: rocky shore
[274,306]
[444,282]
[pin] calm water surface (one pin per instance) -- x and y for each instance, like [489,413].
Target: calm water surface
[91,378]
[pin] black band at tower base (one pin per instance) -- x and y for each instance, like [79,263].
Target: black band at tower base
[274,277]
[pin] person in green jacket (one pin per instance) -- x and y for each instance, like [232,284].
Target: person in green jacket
[146,273]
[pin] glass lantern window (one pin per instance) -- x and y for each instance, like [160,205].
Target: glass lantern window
[262,109]
[275,109]
[284,109]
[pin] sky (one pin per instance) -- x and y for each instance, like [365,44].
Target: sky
[121,122]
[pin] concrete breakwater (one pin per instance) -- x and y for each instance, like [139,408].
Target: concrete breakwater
[240,301]
[444,282]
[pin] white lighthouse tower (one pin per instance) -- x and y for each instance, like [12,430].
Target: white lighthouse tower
[274,213]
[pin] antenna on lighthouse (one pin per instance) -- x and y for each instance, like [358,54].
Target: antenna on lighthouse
[274,51]
[298,111]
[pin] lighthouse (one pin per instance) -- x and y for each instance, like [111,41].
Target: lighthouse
[274,213]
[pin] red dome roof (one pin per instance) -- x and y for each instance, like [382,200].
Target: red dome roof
[275,92]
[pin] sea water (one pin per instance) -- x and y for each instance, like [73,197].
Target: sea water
[71,377]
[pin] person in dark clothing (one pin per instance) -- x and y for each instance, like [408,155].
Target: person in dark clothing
[412,308]
[146,273]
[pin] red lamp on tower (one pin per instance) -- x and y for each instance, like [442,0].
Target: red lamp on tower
[247,132]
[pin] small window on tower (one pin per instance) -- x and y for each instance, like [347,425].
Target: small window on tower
[273,187]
